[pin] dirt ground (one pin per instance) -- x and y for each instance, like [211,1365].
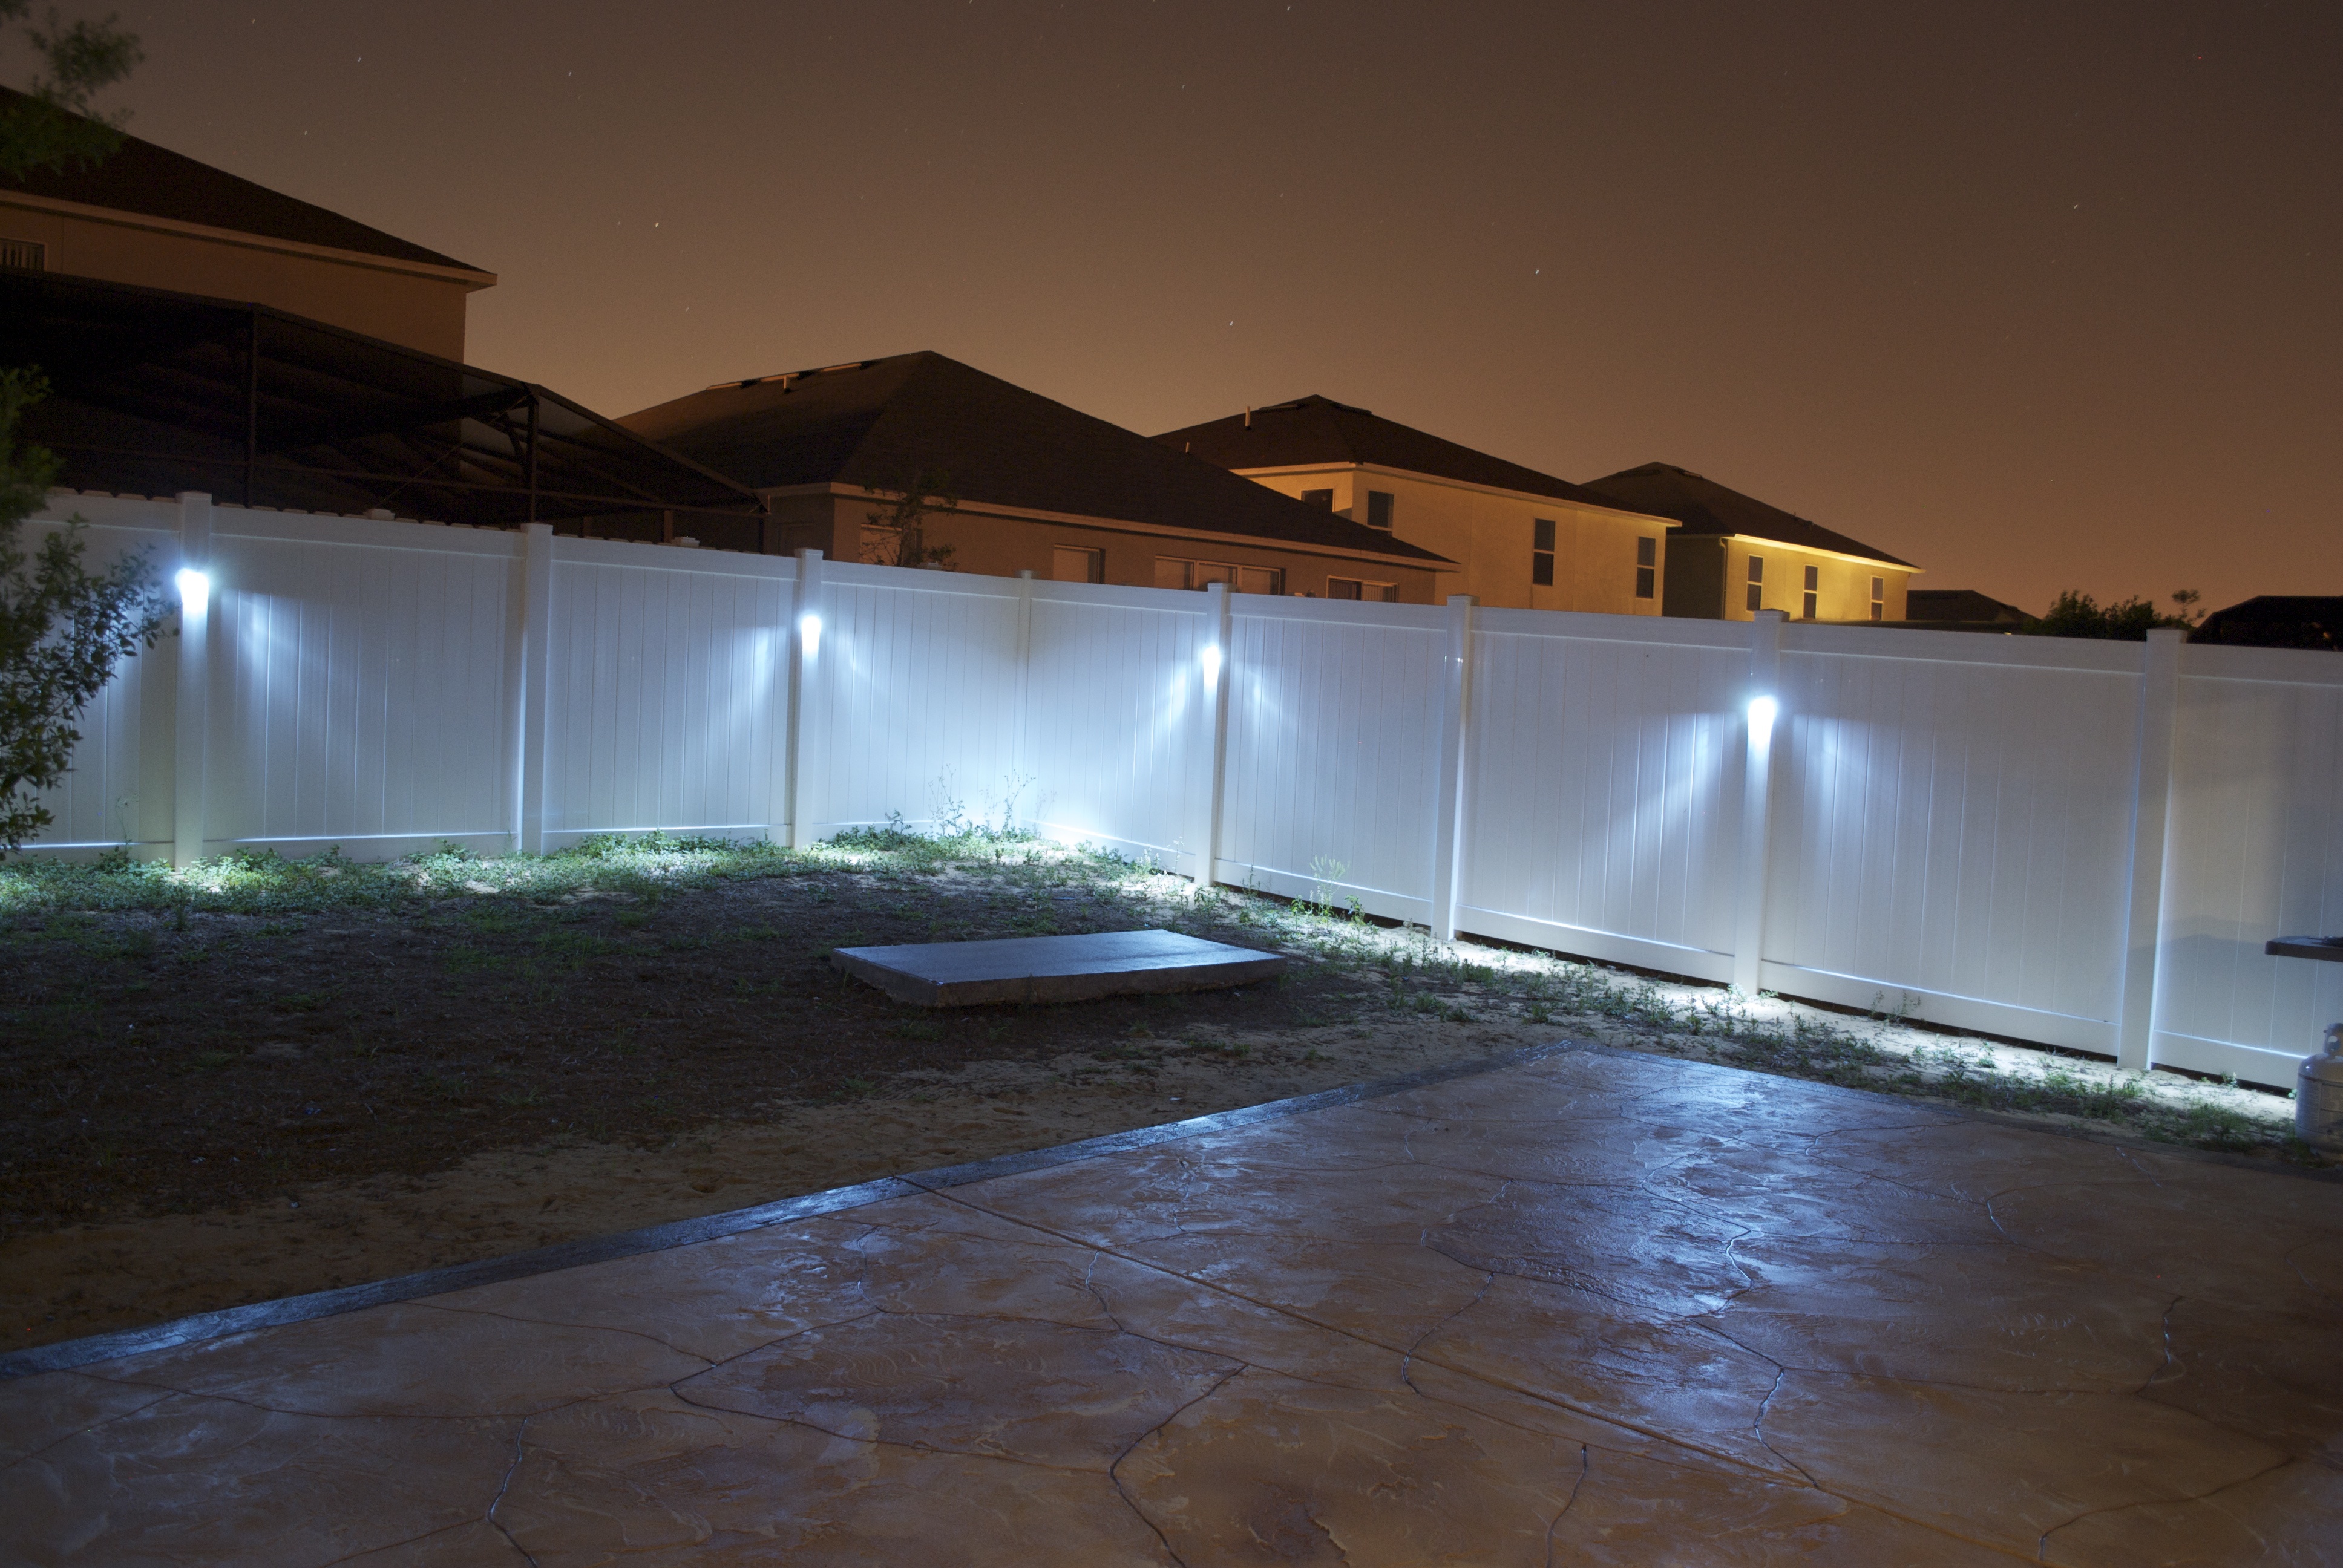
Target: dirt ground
[204,1109]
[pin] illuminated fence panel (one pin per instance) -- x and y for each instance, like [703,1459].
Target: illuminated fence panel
[356,695]
[2256,851]
[667,692]
[1954,827]
[918,691]
[1333,742]
[1114,717]
[117,791]
[1604,786]
[1951,819]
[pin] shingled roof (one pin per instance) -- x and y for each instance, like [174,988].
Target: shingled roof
[157,182]
[1704,506]
[1313,429]
[876,423]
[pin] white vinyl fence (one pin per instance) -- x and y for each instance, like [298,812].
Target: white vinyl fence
[2079,843]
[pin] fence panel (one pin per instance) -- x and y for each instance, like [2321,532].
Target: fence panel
[1113,716]
[666,691]
[357,684]
[918,698]
[1956,825]
[1603,786]
[2254,851]
[1333,740]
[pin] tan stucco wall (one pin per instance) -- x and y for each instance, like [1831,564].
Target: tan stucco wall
[417,311]
[1844,589]
[1002,544]
[1489,534]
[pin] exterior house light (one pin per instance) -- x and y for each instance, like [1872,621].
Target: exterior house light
[809,633]
[1762,711]
[1211,658]
[195,590]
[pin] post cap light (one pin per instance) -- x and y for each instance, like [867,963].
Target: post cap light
[809,633]
[1762,711]
[195,590]
[1211,658]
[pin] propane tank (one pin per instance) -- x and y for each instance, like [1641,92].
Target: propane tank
[2318,1095]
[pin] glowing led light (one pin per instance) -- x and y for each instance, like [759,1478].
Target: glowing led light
[1762,711]
[809,633]
[1212,656]
[195,590]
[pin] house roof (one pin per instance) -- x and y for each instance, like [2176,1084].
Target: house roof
[2277,620]
[155,182]
[876,423]
[1961,605]
[152,393]
[1704,506]
[1316,429]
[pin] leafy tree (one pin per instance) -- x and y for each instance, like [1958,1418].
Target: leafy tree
[2077,614]
[54,127]
[897,537]
[63,628]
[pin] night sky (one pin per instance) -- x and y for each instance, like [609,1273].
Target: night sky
[2034,296]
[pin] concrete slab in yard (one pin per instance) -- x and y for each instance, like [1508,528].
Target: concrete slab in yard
[1054,968]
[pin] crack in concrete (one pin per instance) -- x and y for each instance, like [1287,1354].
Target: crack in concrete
[1577,1482]
[520,1441]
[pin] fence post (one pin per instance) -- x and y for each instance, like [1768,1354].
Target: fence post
[191,713]
[1212,658]
[805,663]
[1448,798]
[2159,708]
[536,657]
[1761,709]
[1019,739]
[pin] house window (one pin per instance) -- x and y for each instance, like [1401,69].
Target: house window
[1879,598]
[1814,591]
[1321,499]
[1647,567]
[1260,579]
[1379,509]
[1352,588]
[29,254]
[1171,572]
[1206,573]
[1542,551]
[1756,583]
[1069,564]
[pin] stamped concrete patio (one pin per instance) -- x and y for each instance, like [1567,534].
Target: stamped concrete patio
[1587,1307]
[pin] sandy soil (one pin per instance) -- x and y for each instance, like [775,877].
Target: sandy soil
[89,1278]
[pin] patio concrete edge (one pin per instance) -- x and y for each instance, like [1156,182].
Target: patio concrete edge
[66,1354]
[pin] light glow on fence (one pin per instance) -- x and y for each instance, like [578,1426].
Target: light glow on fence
[1212,656]
[1762,711]
[195,590]
[809,633]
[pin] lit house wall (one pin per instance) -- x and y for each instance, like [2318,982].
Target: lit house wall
[1731,577]
[1597,557]
[414,303]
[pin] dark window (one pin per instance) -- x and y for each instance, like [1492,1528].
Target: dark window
[29,254]
[1379,509]
[1814,592]
[1756,583]
[1321,499]
[1542,551]
[1879,598]
[1343,587]
[1647,567]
